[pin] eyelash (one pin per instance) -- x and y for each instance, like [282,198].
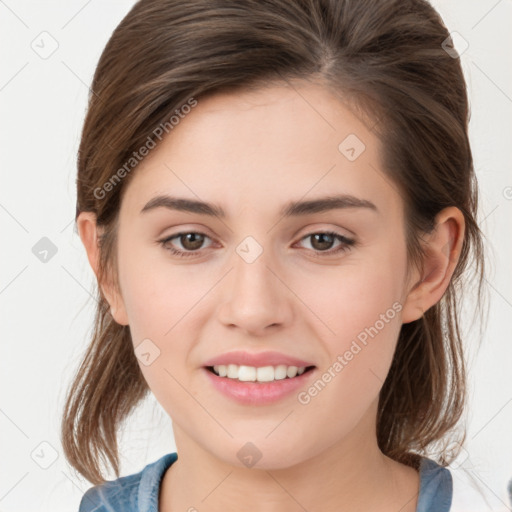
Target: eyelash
[346,244]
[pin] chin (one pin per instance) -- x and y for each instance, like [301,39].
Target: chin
[263,455]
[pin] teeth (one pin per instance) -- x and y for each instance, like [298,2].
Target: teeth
[280,372]
[291,371]
[264,374]
[232,371]
[261,374]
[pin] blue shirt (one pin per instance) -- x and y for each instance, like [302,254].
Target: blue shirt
[139,492]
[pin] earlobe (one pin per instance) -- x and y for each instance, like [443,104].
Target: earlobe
[442,249]
[89,233]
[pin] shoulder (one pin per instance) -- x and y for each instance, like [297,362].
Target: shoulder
[136,492]
[436,487]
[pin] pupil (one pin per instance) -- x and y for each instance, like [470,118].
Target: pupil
[323,244]
[192,241]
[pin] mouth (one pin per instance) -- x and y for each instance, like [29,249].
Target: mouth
[258,385]
[261,374]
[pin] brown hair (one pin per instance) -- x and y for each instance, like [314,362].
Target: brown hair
[388,57]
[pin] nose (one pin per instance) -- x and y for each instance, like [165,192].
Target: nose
[254,297]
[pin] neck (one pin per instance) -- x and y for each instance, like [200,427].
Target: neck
[352,475]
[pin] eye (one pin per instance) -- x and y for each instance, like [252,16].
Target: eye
[191,241]
[322,242]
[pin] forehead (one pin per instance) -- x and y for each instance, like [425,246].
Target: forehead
[260,149]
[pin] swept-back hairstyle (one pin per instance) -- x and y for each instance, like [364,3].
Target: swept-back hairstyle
[387,59]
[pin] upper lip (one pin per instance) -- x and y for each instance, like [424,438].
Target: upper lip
[257,359]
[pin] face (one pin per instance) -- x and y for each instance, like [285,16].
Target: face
[316,286]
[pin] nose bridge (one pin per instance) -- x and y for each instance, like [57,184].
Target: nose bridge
[251,263]
[254,298]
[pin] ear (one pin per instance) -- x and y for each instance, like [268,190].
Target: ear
[442,251]
[89,234]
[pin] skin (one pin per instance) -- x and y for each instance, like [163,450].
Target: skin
[251,153]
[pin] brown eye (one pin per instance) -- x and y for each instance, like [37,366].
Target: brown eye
[191,241]
[322,241]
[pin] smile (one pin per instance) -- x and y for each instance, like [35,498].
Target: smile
[245,373]
[251,385]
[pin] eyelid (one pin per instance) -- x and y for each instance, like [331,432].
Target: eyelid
[324,227]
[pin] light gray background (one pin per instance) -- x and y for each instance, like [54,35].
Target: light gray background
[47,309]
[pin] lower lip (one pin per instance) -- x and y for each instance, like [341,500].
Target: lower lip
[257,393]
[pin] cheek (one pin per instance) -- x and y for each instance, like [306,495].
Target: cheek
[359,356]
[159,302]
[360,309]
[356,295]
[159,306]
[158,295]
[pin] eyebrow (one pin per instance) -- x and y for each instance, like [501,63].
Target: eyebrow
[291,209]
